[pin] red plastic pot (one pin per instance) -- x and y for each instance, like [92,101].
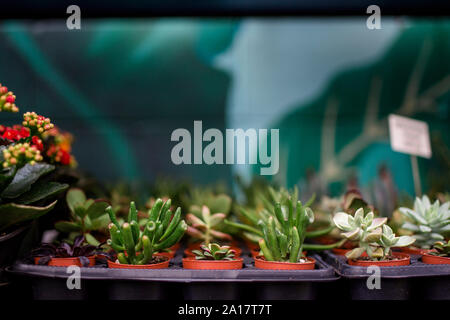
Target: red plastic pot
[188,252]
[413,250]
[66,262]
[160,265]
[404,260]
[192,263]
[431,259]
[261,263]
[340,251]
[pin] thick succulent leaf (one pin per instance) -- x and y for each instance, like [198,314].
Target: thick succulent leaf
[309,215]
[355,253]
[101,223]
[376,223]
[206,214]
[216,219]
[40,191]
[412,215]
[91,239]
[359,216]
[373,236]
[195,221]
[97,209]
[24,178]
[341,221]
[424,229]
[377,253]
[220,203]
[352,235]
[220,235]
[410,226]
[404,241]
[12,213]
[75,198]
[67,226]
[194,233]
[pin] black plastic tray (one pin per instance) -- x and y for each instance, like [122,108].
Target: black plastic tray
[415,281]
[178,283]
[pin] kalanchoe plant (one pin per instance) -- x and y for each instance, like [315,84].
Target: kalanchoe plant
[441,249]
[87,216]
[284,232]
[214,251]
[78,249]
[374,237]
[133,246]
[428,221]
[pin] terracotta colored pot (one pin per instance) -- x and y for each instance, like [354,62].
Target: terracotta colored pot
[261,263]
[66,262]
[340,251]
[192,263]
[430,259]
[404,260]
[160,265]
[188,252]
[169,254]
[325,240]
[413,250]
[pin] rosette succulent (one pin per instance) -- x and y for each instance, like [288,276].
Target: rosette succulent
[162,230]
[203,225]
[374,237]
[428,222]
[214,251]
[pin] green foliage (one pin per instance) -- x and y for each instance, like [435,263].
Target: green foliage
[87,215]
[213,251]
[441,248]
[283,233]
[372,234]
[162,230]
[429,222]
[204,226]
[25,193]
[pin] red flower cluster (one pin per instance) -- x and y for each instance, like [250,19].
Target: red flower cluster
[7,99]
[14,133]
[58,154]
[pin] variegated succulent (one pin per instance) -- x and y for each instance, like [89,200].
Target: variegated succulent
[375,238]
[441,249]
[202,225]
[428,222]
[214,251]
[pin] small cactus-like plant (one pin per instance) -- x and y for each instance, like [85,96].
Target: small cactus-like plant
[441,249]
[374,237]
[162,230]
[214,251]
[428,222]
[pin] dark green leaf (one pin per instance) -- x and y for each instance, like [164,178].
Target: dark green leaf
[12,213]
[75,198]
[67,226]
[97,209]
[40,191]
[24,178]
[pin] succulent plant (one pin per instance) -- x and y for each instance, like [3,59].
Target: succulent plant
[162,230]
[214,251]
[78,249]
[283,234]
[88,216]
[441,249]
[203,225]
[276,205]
[428,222]
[374,237]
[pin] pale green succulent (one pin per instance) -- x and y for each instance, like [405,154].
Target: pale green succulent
[375,238]
[428,221]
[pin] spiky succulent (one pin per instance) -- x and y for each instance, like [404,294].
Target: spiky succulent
[374,237]
[133,246]
[441,249]
[428,222]
[214,251]
[278,206]
[283,233]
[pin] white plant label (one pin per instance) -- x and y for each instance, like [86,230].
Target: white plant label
[409,136]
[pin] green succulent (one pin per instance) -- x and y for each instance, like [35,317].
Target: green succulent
[214,251]
[133,246]
[277,205]
[204,226]
[374,237]
[87,216]
[428,222]
[26,193]
[441,248]
[283,233]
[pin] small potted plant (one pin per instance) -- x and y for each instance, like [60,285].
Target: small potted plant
[135,248]
[283,236]
[427,222]
[78,254]
[440,254]
[88,217]
[213,256]
[375,240]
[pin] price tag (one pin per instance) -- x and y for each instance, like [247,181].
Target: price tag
[409,136]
